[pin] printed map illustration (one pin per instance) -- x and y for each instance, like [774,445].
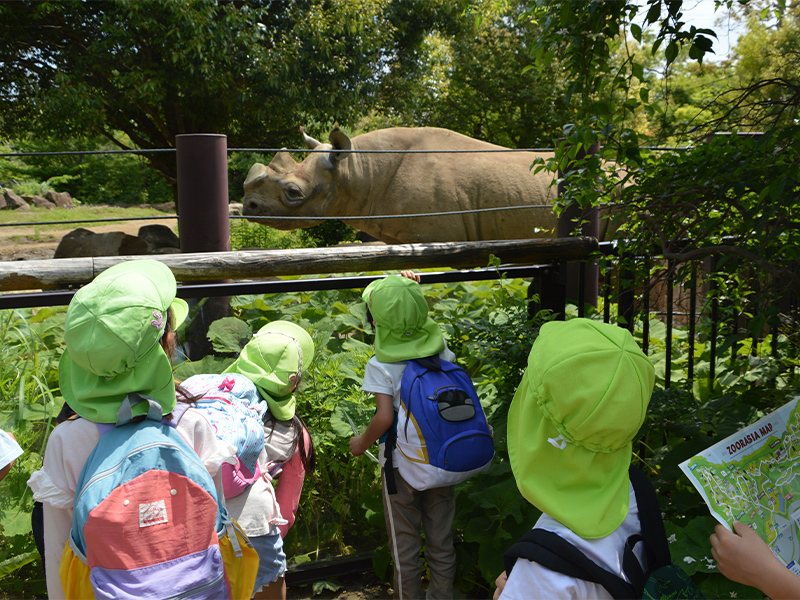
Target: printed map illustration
[753,476]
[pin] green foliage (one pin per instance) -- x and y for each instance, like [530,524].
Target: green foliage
[30,347]
[89,178]
[486,325]
[152,70]
[246,235]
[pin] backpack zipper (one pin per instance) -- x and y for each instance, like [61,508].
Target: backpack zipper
[202,588]
[118,466]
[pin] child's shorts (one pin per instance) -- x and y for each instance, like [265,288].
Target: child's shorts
[271,559]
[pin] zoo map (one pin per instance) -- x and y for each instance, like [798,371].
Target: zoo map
[753,476]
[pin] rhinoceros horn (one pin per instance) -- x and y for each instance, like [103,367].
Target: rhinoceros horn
[310,142]
[283,162]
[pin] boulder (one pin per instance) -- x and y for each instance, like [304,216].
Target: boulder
[167,207]
[159,237]
[40,202]
[82,242]
[13,201]
[60,199]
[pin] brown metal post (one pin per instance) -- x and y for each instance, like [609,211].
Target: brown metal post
[203,192]
[567,224]
[203,222]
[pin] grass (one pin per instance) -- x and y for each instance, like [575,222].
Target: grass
[80,213]
[243,233]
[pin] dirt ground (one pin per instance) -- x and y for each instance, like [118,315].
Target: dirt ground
[364,586]
[23,243]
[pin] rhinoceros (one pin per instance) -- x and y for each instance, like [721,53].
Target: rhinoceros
[335,184]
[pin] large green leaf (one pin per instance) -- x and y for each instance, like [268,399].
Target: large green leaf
[229,335]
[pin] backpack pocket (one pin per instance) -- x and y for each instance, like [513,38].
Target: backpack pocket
[454,404]
[468,452]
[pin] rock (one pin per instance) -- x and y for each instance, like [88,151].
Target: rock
[60,199]
[82,242]
[40,202]
[13,201]
[159,237]
[167,207]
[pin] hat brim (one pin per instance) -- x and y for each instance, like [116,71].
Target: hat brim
[585,490]
[392,346]
[180,310]
[98,398]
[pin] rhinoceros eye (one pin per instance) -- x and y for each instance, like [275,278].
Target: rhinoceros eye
[293,194]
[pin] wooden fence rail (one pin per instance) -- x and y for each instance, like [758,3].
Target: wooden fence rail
[259,264]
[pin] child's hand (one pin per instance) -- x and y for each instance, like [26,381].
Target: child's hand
[500,582]
[357,446]
[410,275]
[745,558]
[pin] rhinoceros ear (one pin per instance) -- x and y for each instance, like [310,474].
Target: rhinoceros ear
[339,141]
[283,162]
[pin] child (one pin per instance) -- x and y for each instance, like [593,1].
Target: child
[745,558]
[581,402]
[119,334]
[9,452]
[274,360]
[403,331]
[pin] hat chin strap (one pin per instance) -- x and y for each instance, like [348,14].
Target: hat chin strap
[559,442]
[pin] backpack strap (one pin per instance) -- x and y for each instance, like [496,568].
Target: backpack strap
[431,363]
[388,465]
[125,412]
[650,518]
[653,536]
[554,552]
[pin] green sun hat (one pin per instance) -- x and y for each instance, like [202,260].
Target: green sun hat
[112,332]
[581,402]
[403,329]
[274,360]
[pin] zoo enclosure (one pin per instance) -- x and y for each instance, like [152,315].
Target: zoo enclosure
[560,275]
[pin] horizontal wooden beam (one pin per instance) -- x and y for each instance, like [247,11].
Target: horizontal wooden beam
[260,264]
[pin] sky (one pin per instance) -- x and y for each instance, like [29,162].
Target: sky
[700,13]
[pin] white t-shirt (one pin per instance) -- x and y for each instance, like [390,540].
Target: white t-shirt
[385,378]
[530,580]
[68,448]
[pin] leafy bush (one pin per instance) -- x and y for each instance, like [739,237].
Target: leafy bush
[30,347]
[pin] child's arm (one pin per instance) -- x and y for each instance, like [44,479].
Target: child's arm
[380,423]
[745,558]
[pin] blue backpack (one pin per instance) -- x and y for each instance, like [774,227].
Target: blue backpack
[146,519]
[442,435]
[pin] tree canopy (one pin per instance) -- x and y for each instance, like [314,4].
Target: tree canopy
[253,71]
